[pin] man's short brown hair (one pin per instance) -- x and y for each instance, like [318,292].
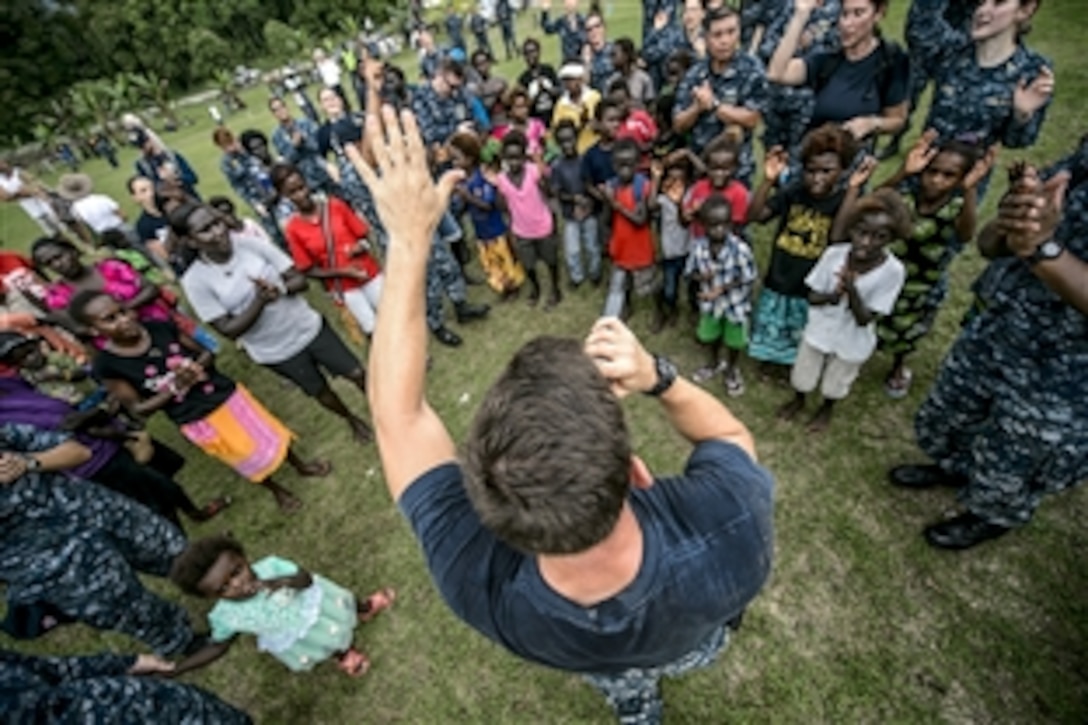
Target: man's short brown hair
[548,460]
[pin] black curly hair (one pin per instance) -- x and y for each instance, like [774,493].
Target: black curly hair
[199,556]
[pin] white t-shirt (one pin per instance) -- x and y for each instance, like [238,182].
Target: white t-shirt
[284,328]
[13,183]
[99,212]
[832,329]
[329,70]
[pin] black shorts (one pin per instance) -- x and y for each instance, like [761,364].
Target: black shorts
[530,250]
[326,351]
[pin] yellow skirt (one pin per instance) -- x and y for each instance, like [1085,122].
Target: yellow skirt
[504,272]
[242,434]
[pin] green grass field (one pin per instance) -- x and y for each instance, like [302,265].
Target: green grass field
[862,622]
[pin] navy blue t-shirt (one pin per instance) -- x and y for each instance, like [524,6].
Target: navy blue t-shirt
[708,541]
[597,168]
[847,89]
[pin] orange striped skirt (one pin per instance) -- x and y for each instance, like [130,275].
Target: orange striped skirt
[242,434]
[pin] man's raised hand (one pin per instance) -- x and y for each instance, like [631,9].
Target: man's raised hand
[407,198]
[620,357]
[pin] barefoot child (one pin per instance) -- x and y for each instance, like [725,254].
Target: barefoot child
[725,267]
[805,211]
[504,274]
[524,191]
[850,288]
[940,186]
[631,246]
[152,367]
[300,618]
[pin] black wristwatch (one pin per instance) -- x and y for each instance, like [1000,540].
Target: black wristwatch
[32,463]
[1050,249]
[666,375]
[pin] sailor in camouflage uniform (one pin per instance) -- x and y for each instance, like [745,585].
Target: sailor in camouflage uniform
[99,689]
[957,14]
[1007,418]
[741,83]
[571,28]
[789,108]
[77,546]
[1003,104]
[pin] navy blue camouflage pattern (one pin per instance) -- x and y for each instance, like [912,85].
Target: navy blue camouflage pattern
[98,689]
[1009,408]
[744,83]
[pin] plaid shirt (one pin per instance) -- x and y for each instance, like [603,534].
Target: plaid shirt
[733,263]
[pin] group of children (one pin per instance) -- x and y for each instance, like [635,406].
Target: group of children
[846,271]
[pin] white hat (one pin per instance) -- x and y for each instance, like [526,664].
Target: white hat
[572,70]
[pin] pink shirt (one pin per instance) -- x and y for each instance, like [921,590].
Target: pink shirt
[530,216]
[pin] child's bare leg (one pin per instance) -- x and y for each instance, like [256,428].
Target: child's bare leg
[556,296]
[822,419]
[308,469]
[713,360]
[790,410]
[288,503]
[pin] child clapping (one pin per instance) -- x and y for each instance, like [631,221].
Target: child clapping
[850,288]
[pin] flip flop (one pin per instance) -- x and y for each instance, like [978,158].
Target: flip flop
[898,388]
[212,509]
[377,603]
[353,663]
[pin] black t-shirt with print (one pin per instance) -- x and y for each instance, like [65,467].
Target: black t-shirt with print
[803,235]
[150,372]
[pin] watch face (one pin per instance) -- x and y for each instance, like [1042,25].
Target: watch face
[1050,249]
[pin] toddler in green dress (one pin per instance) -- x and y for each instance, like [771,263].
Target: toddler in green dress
[300,618]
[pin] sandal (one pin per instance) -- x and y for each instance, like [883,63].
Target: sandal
[734,383]
[211,509]
[353,663]
[897,387]
[377,603]
[707,372]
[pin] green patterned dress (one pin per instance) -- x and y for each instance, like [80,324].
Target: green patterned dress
[300,628]
[927,256]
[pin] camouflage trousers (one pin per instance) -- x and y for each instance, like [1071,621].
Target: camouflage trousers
[635,694]
[789,110]
[444,275]
[1015,425]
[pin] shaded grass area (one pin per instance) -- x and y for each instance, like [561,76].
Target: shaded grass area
[861,623]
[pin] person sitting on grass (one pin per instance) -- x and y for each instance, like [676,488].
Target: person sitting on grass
[631,247]
[851,287]
[504,272]
[939,183]
[301,619]
[725,267]
[156,367]
[553,539]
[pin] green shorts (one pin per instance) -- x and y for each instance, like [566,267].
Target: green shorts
[711,330]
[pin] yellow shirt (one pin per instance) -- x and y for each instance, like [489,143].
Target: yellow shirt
[581,114]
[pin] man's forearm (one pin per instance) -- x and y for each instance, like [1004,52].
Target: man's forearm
[398,357]
[699,416]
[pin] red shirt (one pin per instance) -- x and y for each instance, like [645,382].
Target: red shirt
[734,192]
[306,239]
[638,125]
[631,247]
